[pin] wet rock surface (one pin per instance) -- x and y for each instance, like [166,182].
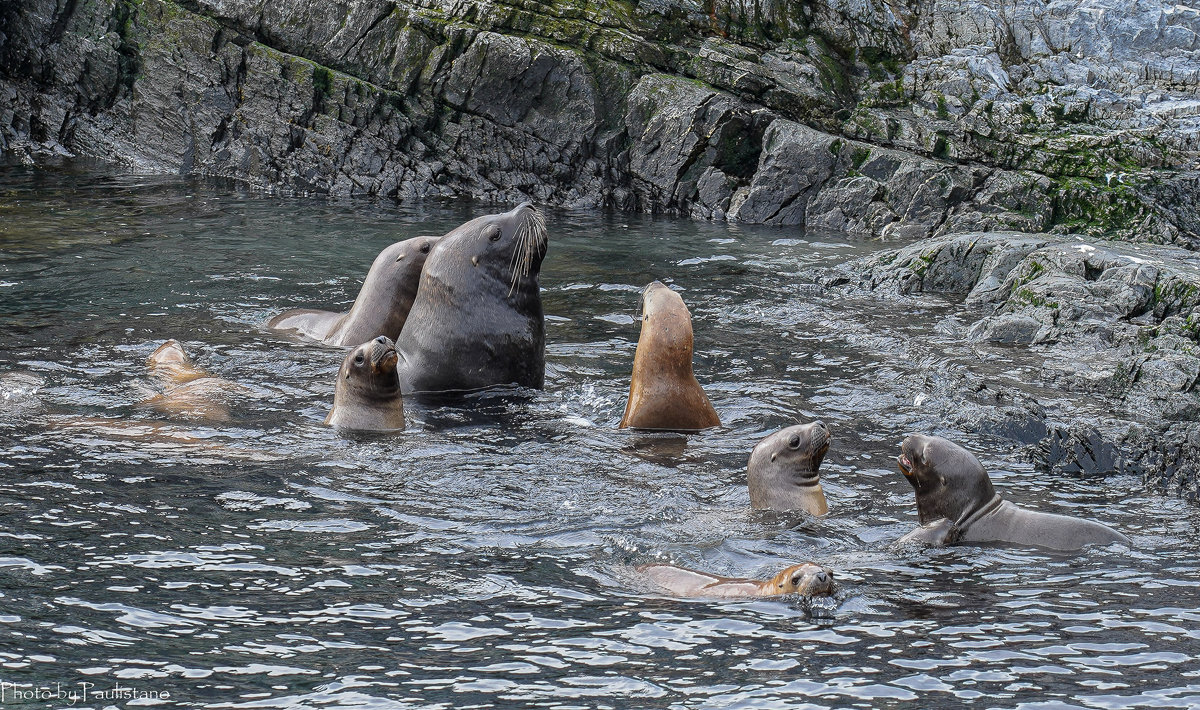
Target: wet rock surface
[1114,330]
[922,118]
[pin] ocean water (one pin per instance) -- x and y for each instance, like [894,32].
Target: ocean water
[484,557]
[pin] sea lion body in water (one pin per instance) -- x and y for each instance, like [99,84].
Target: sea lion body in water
[187,390]
[382,305]
[807,579]
[957,503]
[663,391]
[367,397]
[784,470]
[477,318]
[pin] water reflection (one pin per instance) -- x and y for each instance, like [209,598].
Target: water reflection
[482,558]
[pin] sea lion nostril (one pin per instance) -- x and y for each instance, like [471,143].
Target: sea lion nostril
[382,340]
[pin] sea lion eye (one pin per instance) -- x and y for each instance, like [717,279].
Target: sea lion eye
[358,359]
[794,442]
[425,248]
[495,235]
[796,580]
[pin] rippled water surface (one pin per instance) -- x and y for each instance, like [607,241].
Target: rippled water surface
[483,557]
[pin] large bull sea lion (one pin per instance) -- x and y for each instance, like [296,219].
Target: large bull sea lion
[957,503]
[663,391]
[477,318]
[382,305]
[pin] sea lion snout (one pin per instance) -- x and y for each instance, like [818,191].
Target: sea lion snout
[820,437]
[383,354]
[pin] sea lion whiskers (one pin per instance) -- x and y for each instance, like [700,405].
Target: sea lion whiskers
[530,236]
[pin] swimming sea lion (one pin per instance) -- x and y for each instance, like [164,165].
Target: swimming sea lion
[477,319]
[784,469]
[367,397]
[956,503]
[382,304]
[808,579]
[187,390]
[663,391]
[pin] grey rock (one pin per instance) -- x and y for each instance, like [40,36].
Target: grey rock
[904,120]
[1116,324]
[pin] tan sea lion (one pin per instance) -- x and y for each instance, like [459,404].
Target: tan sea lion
[663,391]
[808,579]
[382,305]
[957,503]
[367,397]
[784,469]
[188,391]
[477,318]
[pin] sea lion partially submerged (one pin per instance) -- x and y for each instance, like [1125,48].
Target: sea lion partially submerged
[382,304]
[477,318]
[784,469]
[957,503]
[188,390]
[663,391]
[367,397]
[807,579]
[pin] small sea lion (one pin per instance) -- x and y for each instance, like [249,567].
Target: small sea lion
[382,305]
[784,469]
[663,391]
[477,318]
[367,397]
[188,391]
[808,579]
[957,503]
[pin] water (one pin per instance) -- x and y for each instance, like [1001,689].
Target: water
[482,558]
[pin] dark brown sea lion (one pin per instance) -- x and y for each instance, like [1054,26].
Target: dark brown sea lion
[382,305]
[956,503]
[663,391]
[808,579]
[367,397]
[477,319]
[784,469]
[188,391]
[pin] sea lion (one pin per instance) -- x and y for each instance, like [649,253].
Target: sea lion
[382,305]
[956,503]
[188,391]
[808,579]
[477,318]
[367,397]
[784,469]
[663,391]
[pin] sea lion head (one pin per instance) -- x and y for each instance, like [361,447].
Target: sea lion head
[370,368]
[368,397]
[171,365]
[784,469]
[807,578]
[169,354]
[949,481]
[666,326]
[398,268]
[509,246]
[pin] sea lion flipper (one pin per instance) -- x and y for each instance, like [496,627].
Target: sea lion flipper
[939,533]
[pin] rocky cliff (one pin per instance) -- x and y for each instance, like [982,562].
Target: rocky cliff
[913,117]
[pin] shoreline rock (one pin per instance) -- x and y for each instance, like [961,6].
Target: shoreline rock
[921,119]
[1115,327]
